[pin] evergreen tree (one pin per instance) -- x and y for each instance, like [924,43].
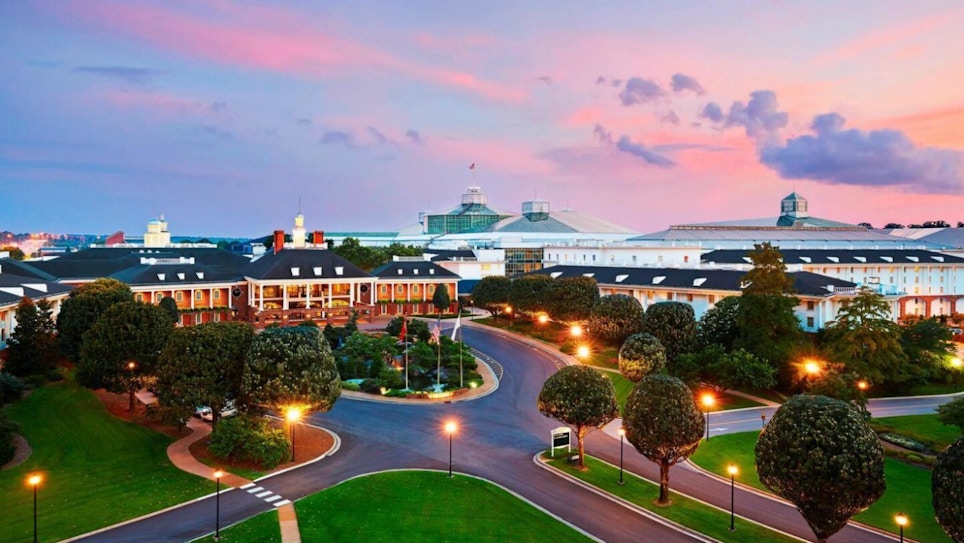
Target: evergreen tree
[441,299]
[866,341]
[81,310]
[768,327]
[32,348]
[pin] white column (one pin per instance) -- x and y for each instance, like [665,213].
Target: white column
[307,296]
[351,294]
[193,294]
[284,296]
[261,297]
[329,294]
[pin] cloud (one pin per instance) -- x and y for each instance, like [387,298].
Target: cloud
[684,82]
[639,91]
[544,79]
[603,135]
[380,139]
[877,158]
[671,118]
[304,121]
[414,136]
[712,111]
[600,80]
[616,83]
[337,137]
[638,149]
[126,74]
[217,107]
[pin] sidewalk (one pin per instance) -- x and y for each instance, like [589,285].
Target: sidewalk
[181,456]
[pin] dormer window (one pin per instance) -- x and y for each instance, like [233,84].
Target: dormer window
[295,272]
[621,277]
[399,271]
[659,279]
[698,282]
[180,276]
[431,271]
[317,270]
[415,271]
[200,275]
[339,270]
[555,275]
[160,277]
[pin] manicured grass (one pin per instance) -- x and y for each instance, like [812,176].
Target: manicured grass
[97,469]
[908,487]
[420,506]
[928,389]
[926,429]
[622,385]
[263,528]
[685,511]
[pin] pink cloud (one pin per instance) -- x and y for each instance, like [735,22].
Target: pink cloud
[270,39]
[943,127]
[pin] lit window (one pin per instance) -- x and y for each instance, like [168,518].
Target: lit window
[179,296]
[198,295]
[217,294]
[383,289]
[809,322]
[139,297]
[415,288]
[400,288]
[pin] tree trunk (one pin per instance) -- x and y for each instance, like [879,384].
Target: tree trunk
[580,434]
[663,484]
[130,400]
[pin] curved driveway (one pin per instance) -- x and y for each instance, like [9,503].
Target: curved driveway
[497,437]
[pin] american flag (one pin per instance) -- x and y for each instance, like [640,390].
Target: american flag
[437,330]
[472,166]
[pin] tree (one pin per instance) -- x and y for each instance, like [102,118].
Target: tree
[15,252]
[866,341]
[952,413]
[571,299]
[579,396]
[291,367]
[441,299]
[82,308]
[492,293]
[936,224]
[414,327]
[531,293]
[718,326]
[615,318]
[32,348]
[893,225]
[674,325]
[127,333]
[927,344]
[767,324]
[947,487]
[202,365]
[820,454]
[866,225]
[739,369]
[664,423]
[641,355]
[170,305]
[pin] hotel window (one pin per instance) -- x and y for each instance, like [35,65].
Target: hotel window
[686,258]
[139,297]
[198,295]
[400,288]
[689,297]
[414,288]
[810,322]
[809,306]
[711,299]
[179,296]
[431,289]
[217,294]
[383,289]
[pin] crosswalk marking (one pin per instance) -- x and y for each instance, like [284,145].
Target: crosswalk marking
[282,502]
[263,494]
[247,486]
[255,490]
[272,498]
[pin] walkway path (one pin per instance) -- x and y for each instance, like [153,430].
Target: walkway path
[289,524]
[180,455]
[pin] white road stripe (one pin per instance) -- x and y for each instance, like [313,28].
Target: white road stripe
[247,486]
[272,498]
[263,494]
[282,502]
[255,489]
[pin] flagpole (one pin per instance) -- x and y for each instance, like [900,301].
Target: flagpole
[461,346]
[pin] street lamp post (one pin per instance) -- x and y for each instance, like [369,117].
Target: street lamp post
[131,366]
[293,414]
[450,428]
[217,500]
[731,469]
[622,438]
[582,351]
[34,481]
[901,521]
[708,402]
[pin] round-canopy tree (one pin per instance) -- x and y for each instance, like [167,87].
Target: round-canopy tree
[291,367]
[674,325]
[202,365]
[531,293]
[492,293]
[820,454]
[441,299]
[579,396]
[615,318]
[83,307]
[664,423]
[641,355]
[572,298]
[947,484]
[718,325]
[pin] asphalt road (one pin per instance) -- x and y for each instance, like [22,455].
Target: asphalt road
[497,438]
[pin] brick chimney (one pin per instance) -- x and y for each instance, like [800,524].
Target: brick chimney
[318,237]
[279,240]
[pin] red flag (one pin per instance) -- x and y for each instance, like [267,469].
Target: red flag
[472,166]
[404,329]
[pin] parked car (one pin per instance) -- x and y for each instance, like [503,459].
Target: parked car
[229,411]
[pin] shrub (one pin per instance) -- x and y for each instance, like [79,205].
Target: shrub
[349,386]
[391,378]
[370,385]
[11,388]
[8,429]
[902,441]
[250,439]
[396,393]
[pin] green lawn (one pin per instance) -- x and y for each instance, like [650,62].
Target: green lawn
[412,506]
[908,487]
[685,511]
[263,528]
[97,470]
[926,429]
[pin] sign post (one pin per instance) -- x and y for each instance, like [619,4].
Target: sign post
[560,437]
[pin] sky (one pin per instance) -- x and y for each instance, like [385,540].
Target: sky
[228,116]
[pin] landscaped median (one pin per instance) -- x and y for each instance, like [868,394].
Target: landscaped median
[908,487]
[685,511]
[423,506]
[96,470]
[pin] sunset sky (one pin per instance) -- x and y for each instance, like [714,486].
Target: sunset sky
[221,115]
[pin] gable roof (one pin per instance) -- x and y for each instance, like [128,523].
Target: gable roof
[405,269]
[100,262]
[14,288]
[302,264]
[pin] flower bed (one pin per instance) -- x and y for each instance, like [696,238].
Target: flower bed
[902,441]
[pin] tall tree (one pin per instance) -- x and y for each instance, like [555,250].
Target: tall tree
[674,325]
[291,367]
[579,396]
[571,299]
[718,326]
[531,293]
[615,318]
[82,308]
[664,423]
[768,326]
[127,333]
[820,454]
[866,341]
[202,365]
[929,344]
[170,305]
[641,355]
[32,348]
[947,487]
[15,252]
[492,293]
[952,413]
[441,299]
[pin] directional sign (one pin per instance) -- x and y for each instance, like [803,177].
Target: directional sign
[560,437]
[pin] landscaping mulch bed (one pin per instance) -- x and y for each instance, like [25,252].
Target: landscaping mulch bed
[117,405]
[310,443]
